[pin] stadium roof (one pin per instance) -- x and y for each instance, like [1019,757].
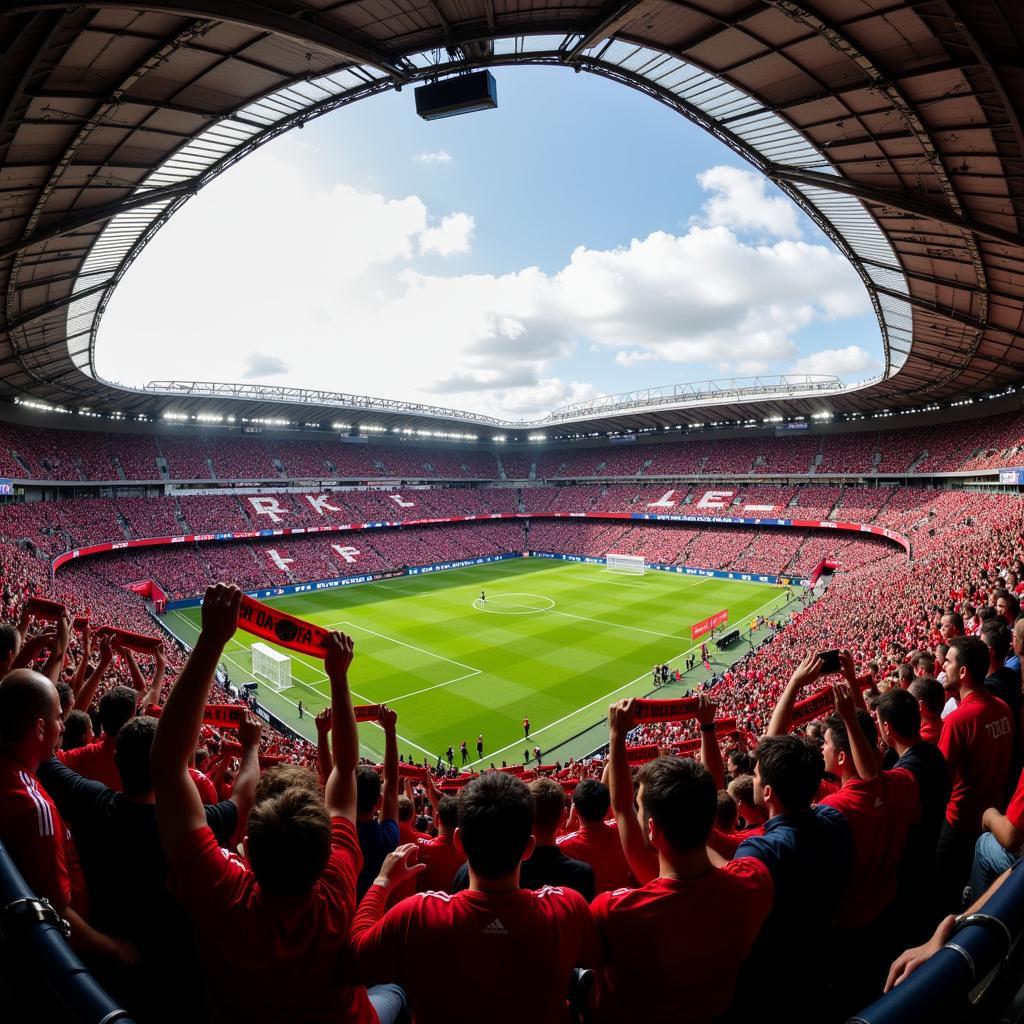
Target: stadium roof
[896,126]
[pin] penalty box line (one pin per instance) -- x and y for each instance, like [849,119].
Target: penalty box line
[468,674]
[625,686]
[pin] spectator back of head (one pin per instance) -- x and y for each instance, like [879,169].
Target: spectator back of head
[117,706]
[368,788]
[899,710]
[680,797]
[495,823]
[928,691]
[592,801]
[792,767]
[288,841]
[548,804]
[131,755]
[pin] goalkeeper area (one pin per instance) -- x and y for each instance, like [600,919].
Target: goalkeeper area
[554,641]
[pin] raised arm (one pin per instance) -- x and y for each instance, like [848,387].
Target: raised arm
[323,745]
[244,790]
[389,796]
[850,675]
[642,861]
[152,695]
[54,664]
[84,696]
[865,760]
[340,791]
[806,673]
[179,809]
[78,680]
[710,751]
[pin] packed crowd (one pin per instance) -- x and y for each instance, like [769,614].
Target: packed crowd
[884,806]
[80,455]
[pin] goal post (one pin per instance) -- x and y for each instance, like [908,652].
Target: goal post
[632,564]
[272,666]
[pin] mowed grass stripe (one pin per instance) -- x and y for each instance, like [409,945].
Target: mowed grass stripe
[546,665]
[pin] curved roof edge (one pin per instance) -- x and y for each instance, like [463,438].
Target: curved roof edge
[760,136]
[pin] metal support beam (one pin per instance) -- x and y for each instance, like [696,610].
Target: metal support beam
[604,23]
[895,200]
[50,307]
[302,26]
[931,307]
[96,214]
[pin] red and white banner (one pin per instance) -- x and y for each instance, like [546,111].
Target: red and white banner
[698,629]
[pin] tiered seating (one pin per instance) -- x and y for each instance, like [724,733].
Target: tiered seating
[517,467]
[309,459]
[137,454]
[813,502]
[241,459]
[848,453]
[900,449]
[150,517]
[186,458]
[789,455]
[734,455]
[213,514]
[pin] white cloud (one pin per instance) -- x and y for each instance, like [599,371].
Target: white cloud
[740,201]
[259,364]
[273,259]
[438,156]
[842,362]
[452,235]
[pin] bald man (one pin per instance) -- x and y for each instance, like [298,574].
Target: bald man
[30,826]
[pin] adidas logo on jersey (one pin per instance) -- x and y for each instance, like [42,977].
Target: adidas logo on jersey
[496,928]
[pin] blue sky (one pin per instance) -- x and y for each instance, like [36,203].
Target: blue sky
[580,240]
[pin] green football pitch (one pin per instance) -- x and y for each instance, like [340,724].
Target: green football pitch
[557,642]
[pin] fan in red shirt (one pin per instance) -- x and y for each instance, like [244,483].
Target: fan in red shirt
[658,971]
[880,808]
[442,855]
[30,827]
[977,742]
[931,699]
[596,842]
[272,932]
[96,760]
[517,947]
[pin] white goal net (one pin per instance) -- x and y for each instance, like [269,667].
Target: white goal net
[274,667]
[633,564]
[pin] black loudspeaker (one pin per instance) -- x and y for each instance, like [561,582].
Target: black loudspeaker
[460,95]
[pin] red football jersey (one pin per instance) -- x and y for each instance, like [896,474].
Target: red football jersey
[599,846]
[96,761]
[443,860]
[516,950]
[880,812]
[273,958]
[977,741]
[38,840]
[675,946]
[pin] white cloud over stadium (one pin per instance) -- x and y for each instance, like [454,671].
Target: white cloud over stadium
[278,274]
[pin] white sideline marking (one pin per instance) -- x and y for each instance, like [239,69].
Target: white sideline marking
[619,625]
[402,643]
[436,686]
[632,682]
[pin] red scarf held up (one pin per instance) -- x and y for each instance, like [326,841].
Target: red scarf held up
[282,629]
